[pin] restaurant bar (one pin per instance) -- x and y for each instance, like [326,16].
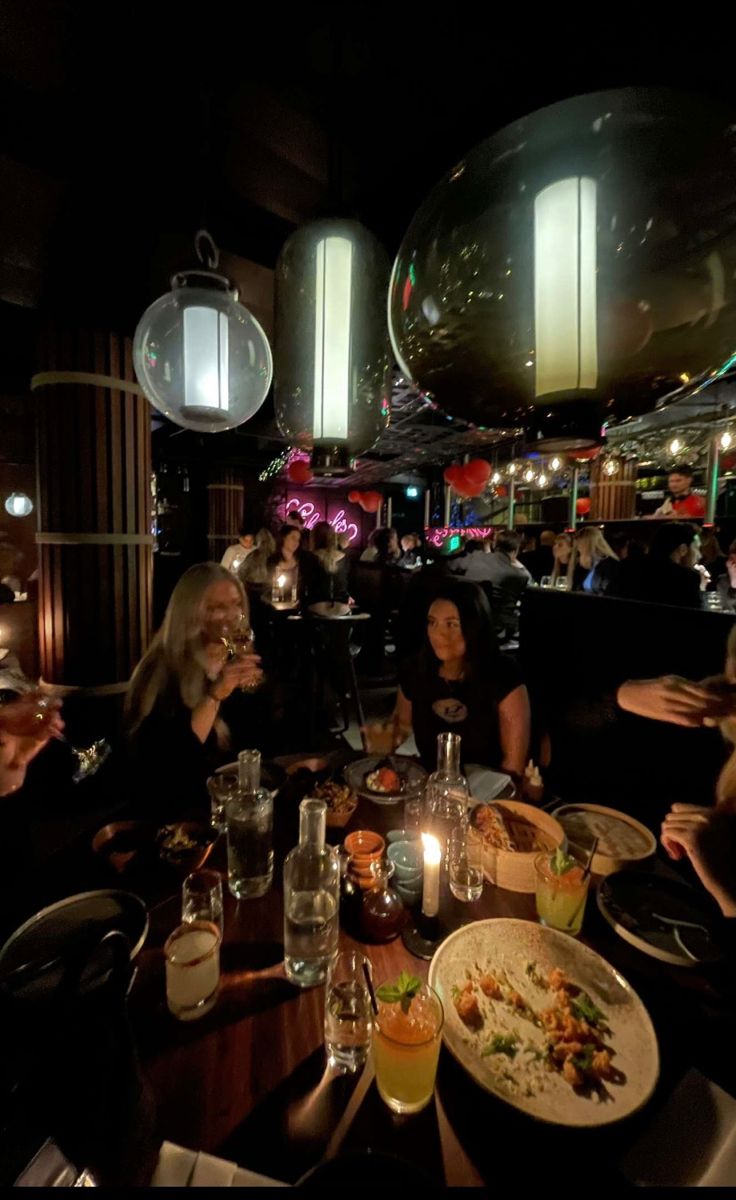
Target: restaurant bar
[367,602]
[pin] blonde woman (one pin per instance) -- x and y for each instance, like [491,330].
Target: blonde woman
[176,711]
[561,553]
[330,578]
[593,554]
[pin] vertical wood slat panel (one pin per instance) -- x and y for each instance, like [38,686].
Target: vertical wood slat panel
[226,503]
[94,478]
[613,498]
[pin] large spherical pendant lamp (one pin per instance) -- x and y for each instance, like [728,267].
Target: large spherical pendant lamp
[332,355]
[575,266]
[200,357]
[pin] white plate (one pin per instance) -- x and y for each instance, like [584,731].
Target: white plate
[505,946]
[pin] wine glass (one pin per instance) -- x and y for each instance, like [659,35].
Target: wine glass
[89,759]
[239,640]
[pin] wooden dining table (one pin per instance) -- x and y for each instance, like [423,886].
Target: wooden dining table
[250,1081]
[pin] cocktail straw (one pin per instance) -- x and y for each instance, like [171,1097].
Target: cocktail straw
[371,993]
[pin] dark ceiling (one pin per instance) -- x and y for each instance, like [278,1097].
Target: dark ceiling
[128,126]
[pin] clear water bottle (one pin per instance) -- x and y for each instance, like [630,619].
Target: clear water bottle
[311,899]
[249,816]
[447,794]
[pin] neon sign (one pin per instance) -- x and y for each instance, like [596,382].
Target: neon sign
[438,536]
[312,516]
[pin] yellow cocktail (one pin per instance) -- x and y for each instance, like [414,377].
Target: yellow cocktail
[406,1047]
[562,888]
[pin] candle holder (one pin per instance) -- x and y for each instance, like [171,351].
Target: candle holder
[423,936]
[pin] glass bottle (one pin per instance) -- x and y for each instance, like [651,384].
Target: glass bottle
[447,794]
[382,916]
[311,899]
[249,818]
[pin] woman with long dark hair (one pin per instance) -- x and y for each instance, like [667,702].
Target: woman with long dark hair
[459,682]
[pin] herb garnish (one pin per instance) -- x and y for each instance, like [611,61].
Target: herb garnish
[402,992]
[501,1043]
[584,1009]
[560,863]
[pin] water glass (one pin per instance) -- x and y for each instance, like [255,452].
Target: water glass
[201,898]
[192,954]
[413,812]
[712,601]
[561,583]
[222,788]
[546,581]
[347,1013]
[250,844]
[465,864]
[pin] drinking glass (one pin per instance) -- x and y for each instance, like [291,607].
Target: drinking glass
[561,583]
[88,759]
[546,581]
[222,788]
[192,954]
[250,844]
[712,601]
[466,864]
[406,1048]
[413,812]
[201,898]
[347,1013]
[378,737]
[561,897]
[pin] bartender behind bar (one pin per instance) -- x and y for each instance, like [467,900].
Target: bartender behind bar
[682,502]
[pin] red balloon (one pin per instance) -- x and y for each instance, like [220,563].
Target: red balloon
[452,474]
[354,497]
[586,455]
[299,471]
[370,502]
[478,471]
[582,506]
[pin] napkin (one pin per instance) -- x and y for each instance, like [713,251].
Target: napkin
[178,1167]
[692,1141]
[485,785]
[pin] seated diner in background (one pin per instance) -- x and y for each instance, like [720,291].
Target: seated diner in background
[459,682]
[599,563]
[254,571]
[508,579]
[411,551]
[666,575]
[383,547]
[289,567]
[329,580]
[540,560]
[178,706]
[561,555]
[682,502]
[235,555]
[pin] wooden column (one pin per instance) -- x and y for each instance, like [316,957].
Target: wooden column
[613,497]
[226,503]
[94,511]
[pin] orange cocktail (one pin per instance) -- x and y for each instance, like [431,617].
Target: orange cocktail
[407,1033]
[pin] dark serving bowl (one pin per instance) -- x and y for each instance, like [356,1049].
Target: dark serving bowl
[135,844]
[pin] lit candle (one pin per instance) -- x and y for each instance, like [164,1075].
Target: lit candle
[277,592]
[431,888]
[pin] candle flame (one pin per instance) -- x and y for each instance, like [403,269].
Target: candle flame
[432,850]
[281,581]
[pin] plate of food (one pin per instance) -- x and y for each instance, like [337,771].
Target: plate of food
[385,779]
[341,802]
[513,835]
[544,1023]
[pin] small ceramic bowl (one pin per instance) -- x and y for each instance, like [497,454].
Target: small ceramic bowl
[403,835]
[364,844]
[407,896]
[407,859]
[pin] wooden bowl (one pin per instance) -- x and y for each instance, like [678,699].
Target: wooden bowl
[514,869]
[338,820]
[364,844]
[622,840]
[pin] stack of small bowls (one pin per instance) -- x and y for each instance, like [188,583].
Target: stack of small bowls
[408,861]
[364,848]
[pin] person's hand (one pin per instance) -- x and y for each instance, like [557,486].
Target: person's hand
[32,716]
[239,672]
[707,836]
[679,701]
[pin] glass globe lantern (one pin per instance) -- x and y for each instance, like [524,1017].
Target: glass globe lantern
[18,505]
[577,265]
[200,357]
[332,380]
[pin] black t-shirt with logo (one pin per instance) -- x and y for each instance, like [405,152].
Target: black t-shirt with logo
[465,706]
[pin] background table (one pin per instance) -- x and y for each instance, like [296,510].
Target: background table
[250,1081]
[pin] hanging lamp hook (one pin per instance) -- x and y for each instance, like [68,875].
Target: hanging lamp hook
[207,251]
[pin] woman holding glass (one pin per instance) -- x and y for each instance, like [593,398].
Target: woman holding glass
[460,683]
[181,710]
